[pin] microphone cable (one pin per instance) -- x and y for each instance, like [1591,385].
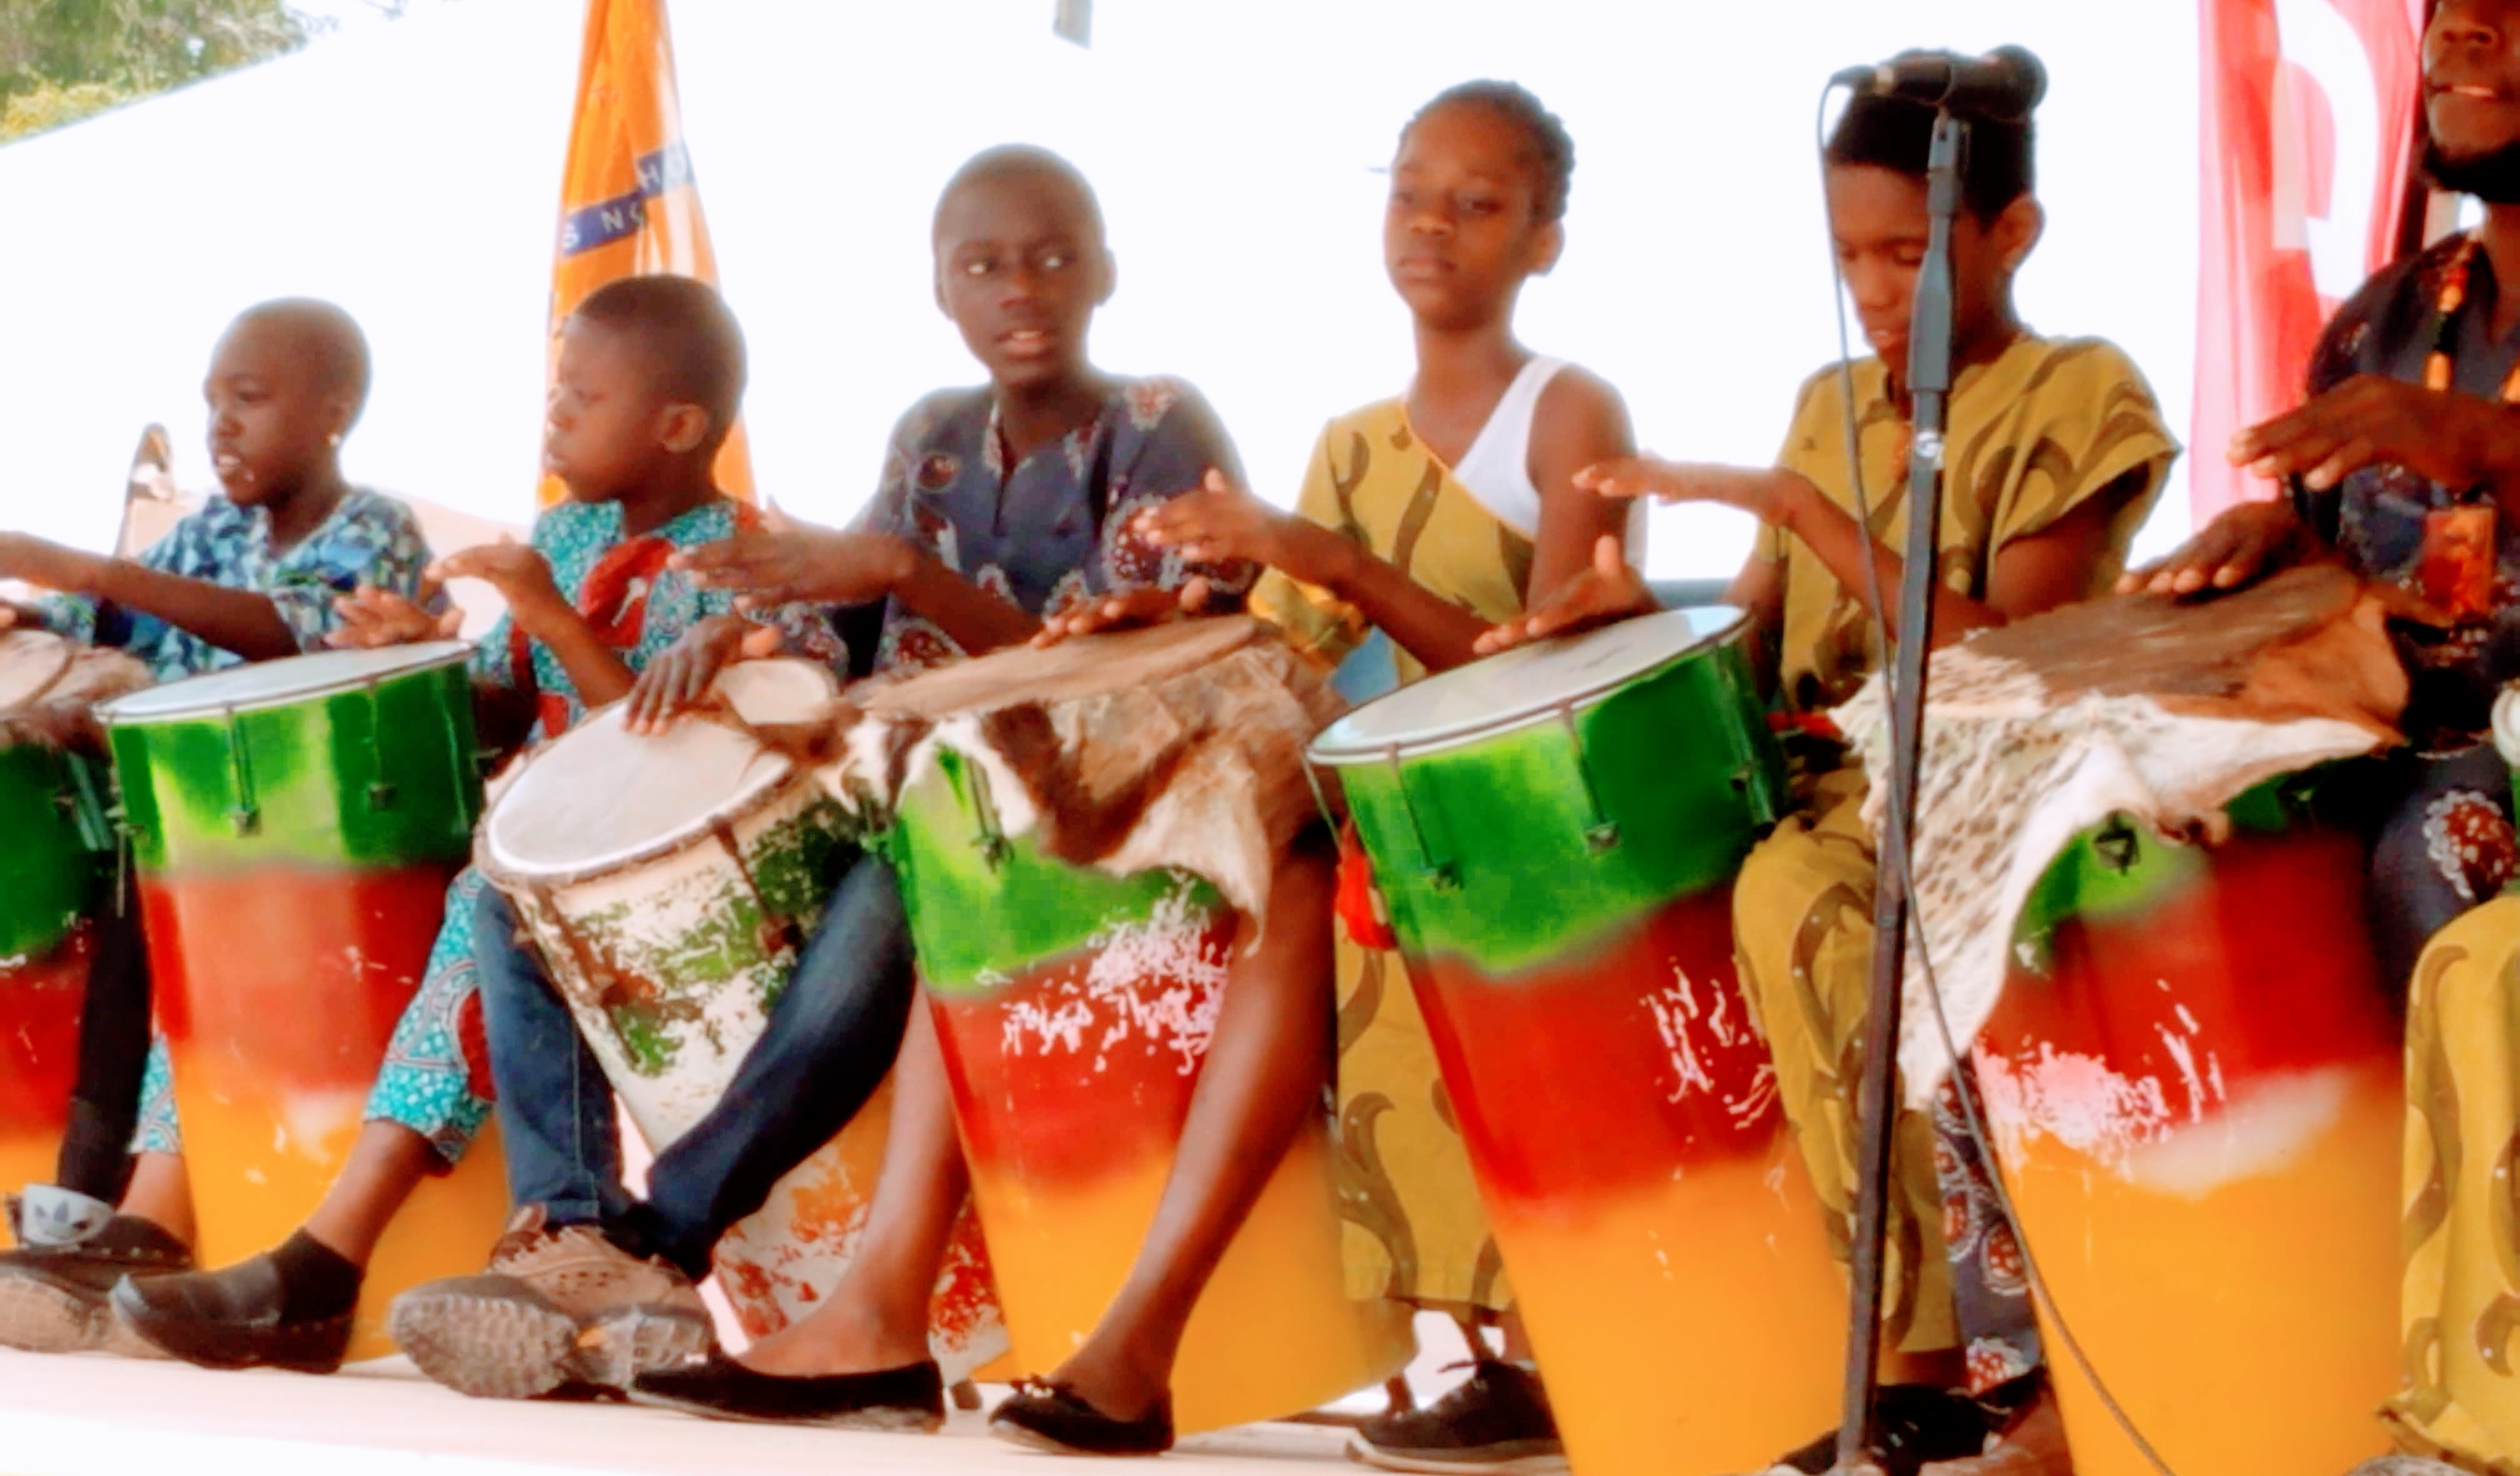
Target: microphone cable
[1901,857]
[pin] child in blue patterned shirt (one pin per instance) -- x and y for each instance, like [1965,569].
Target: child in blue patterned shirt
[252,575]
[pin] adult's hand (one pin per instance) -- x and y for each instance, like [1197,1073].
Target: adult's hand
[2459,440]
[770,568]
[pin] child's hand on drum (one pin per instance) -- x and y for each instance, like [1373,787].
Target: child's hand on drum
[1606,592]
[797,564]
[373,617]
[1221,524]
[519,572]
[679,679]
[1760,491]
[1122,612]
[2247,541]
[47,565]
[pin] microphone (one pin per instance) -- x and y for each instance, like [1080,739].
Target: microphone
[2004,84]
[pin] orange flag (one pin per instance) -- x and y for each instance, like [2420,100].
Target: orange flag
[627,203]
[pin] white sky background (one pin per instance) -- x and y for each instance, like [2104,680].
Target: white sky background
[409,171]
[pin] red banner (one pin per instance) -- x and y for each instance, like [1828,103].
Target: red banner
[2309,124]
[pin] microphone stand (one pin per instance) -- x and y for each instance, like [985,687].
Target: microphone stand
[1929,382]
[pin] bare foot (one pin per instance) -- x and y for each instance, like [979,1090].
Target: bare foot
[2035,1445]
[836,1339]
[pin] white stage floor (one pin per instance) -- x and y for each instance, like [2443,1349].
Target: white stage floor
[90,1414]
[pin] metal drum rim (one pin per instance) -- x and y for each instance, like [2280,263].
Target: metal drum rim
[1472,730]
[431,656]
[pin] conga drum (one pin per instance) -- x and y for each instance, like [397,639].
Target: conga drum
[1555,832]
[1073,1002]
[296,824]
[2194,1080]
[668,881]
[2188,1059]
[57,858]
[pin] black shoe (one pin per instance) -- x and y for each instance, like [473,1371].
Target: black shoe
[1913,1424]
[53,1298]
[235,1318]
[717,1387]
[1042,1416]
[1497,1421]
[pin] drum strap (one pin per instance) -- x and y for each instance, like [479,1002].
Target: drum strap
[772,919]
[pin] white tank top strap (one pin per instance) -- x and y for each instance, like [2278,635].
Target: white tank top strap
[1497,468]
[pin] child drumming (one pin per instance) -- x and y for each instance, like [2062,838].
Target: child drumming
[1433,516]
[252,577]
[650,375]
[2057,451]
[1004,511]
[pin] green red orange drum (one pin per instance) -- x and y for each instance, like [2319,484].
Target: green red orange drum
[1571,949]
[2194,1082]
[1074,1010]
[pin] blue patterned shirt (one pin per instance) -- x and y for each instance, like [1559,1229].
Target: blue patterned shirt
[368,540]
[635,604]
[1053,529]
[2375,517]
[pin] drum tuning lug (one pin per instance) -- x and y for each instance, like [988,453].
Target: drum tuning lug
[2116,846]
[991,836]
[248,823]
[1601,839]
[1444,879]
[380,796]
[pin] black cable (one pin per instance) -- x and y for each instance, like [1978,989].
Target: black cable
[1900,855]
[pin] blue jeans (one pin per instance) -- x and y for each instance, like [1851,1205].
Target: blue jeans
[830,1041]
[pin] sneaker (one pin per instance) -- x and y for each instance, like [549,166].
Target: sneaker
[558,1312]
[56,1286]
[1498,1421]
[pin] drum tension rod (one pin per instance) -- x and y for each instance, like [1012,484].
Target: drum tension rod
[381,793]
[1321,796]
[1439,874]
[992,838]
[2117,845]
[1601,835]
[247,818]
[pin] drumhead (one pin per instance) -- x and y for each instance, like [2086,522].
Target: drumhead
[30,661]
[1086,665]
[278,683]
[600,798]
[1520,686]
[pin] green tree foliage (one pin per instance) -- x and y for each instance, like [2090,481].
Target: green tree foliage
[63,60]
